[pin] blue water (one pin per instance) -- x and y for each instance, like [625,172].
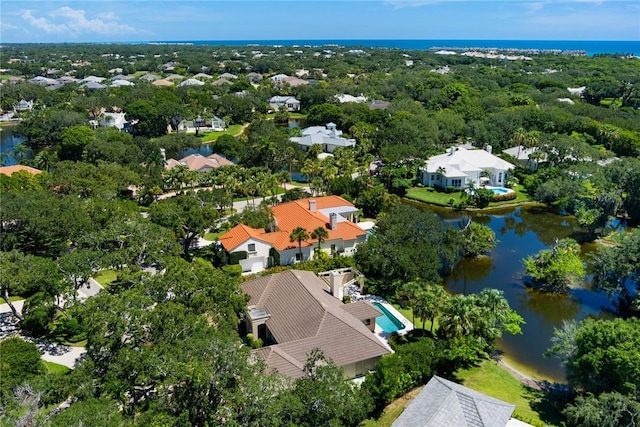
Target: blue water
[591,47]
[386,320]
[499,190]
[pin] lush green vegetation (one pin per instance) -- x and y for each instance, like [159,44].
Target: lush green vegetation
[164,348]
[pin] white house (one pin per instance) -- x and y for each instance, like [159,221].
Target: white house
[115,120]
[23,105]
[289,102]
[332,213]
[459,167]
[526,156]
[329,137]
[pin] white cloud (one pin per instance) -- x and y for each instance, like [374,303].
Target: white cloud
[74,22]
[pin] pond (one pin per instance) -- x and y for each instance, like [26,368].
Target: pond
[523,231]
[8,142]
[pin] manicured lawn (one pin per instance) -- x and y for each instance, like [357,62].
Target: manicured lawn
[54,368]
[392,411]
[232,130]
[291,115]
[13,299]
[440,198]
[408,314]
[212,236]
[491,379]
[104,277]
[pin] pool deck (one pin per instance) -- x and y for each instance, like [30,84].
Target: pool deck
[383,336]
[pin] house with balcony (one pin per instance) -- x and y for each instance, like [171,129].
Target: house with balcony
[293,314]
[258,249]
[460,166]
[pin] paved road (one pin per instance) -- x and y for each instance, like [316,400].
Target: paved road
[60,354]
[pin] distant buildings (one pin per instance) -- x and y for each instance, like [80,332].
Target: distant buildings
[199,163]
[288,102]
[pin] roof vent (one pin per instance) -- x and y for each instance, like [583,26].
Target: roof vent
[312,205]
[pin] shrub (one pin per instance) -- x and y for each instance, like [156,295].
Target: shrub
[504,197]
[70,329]
[234,270]
[235,257]
[275,255]
[346,299]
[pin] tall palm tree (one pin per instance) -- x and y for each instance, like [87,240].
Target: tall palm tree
[321,234]
[299,234]
[519,137]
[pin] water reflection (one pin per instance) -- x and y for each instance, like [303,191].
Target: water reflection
[522,232]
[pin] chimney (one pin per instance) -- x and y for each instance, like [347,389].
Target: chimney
[335,284]
[489,148]
[163,153]
[452,150]
[333,221]
[312,205]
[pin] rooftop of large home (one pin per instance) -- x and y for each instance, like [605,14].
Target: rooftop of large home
[301,316]
[10,170]
[443,403]
[459,161]
[330,212]
[198,162]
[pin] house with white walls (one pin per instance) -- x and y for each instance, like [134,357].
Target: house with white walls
[460,166]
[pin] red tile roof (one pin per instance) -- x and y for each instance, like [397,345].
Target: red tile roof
[10,170]
[294,214]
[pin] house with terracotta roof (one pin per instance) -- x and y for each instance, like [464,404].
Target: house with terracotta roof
[267,248]
[10,170]
[293,314]
[197,162]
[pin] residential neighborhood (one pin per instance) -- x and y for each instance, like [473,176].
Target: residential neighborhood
[317,234]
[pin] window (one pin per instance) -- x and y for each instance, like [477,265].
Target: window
[500,177]
[251,247]
[333,249]
[433,177]
[298,256]
[367,322]
[456,182]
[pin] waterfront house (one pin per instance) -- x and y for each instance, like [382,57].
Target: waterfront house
[199,163]
[460,166]
[293,314]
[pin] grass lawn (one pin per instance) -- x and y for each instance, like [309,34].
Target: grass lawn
[54,368]
[232,130]
[440,198]
[408,314]
[104,277]
[14,298]
[491,379]
[292,115]
[212,237]
[392,411]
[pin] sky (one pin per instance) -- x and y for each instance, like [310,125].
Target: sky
[52,21]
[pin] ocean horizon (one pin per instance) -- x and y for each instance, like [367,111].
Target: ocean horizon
[589,47]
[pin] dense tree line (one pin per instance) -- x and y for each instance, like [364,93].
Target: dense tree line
[162,340]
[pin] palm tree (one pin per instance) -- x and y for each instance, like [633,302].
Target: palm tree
[44,159]
[459,317]
[409,291]
[321,234]
[519,137]
[299,234]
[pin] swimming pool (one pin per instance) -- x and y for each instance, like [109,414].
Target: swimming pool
[499,190]
[388,322]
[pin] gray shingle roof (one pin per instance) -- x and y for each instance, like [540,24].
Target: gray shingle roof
[443,403]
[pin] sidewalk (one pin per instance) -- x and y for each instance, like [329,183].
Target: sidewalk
[57,353]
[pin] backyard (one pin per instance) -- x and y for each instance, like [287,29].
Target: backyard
[233,130]
[489,378]
[440,198]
